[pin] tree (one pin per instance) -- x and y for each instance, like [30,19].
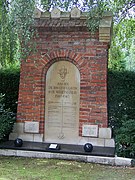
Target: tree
[130,56]
[8,39]
[22,19]
[122,47]
[17,18]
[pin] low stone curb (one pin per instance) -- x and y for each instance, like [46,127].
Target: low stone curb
[114,161]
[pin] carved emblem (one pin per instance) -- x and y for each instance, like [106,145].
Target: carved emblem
[61,135]
[63,72]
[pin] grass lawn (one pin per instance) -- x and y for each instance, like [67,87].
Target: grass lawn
[17,168]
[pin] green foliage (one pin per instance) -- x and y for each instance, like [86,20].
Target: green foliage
[16,32]
[8,38]
[22,20]
[122,55]
[121,9]
[121,97]
[125,139]
[96,11]
[7,119]
[121,109]
[9,84]
[17,20]
[96,8]
[130,56]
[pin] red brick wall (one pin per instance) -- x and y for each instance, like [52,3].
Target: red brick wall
[87,53]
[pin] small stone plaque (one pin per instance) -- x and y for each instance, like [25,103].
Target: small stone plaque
[90,130]
[105,133]
[54,147]
[31,127]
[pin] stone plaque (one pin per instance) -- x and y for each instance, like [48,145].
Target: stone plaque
[90,130]
[31,127]
[62,102]
[105,133]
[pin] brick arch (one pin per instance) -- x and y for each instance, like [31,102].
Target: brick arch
[47,61]
[54,56]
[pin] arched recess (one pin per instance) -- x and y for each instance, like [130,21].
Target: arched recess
[62,103]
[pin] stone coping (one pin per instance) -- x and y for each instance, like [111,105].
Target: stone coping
[75,20]
[55,13]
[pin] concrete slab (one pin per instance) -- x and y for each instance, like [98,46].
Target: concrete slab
[113,161]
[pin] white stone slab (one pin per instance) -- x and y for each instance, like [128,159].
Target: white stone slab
[26,136]
[101,160]
[90,130]
[93,140]
[18,128]
[8,152]
[105,133]
[38,137]
[117,161]
[120,161]
[13,136]
[31,127]
[109,143]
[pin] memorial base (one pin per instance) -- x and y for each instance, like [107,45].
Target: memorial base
[103,140]
[64,148]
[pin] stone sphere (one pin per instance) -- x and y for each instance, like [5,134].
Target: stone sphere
[88,147]
[18,142]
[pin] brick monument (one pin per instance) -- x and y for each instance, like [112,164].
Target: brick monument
[63,88]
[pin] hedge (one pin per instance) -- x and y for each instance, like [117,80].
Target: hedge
[121,97]
[121,109]
[9,85]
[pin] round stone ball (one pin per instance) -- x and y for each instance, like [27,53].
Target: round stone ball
[88,147]
[18,142]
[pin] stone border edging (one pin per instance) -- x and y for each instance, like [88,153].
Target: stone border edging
[113,161]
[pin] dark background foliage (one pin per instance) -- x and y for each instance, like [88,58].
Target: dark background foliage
[121,110]
[121,97]
[9,85]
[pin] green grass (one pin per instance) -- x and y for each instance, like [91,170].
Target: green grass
[14,168]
